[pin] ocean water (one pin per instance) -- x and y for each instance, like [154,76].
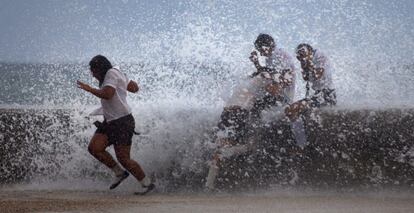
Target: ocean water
[54,85]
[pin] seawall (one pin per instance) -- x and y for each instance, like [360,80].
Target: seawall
[360,147]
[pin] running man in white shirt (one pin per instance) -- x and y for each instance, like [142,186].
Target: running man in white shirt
[118,126]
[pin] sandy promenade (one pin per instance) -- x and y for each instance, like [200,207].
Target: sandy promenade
[282,202]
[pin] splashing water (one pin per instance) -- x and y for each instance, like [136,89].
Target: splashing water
[187,63]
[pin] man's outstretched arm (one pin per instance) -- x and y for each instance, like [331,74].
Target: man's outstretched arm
[107,92]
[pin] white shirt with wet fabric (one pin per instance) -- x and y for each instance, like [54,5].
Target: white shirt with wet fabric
[117,106]
[279,61]
[325,82]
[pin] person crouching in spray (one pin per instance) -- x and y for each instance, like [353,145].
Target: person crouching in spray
[118,126]
[316,70]
[268,86]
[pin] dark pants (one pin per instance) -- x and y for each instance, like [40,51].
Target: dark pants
[119,131]
[237,123]
[233,123]
[324,97]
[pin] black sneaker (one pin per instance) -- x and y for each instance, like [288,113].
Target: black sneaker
[119,179]
[147,189]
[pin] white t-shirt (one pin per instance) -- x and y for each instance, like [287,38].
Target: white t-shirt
[279,61]
[117,106]
[321,61]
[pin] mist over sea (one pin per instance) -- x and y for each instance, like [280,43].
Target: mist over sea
[54,85]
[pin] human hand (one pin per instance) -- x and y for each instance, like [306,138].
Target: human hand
[84,86]
[294,110]
[273,89]
[254,58]
[305,75]
[304,62]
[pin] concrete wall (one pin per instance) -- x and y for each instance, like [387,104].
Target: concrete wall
[23,132]
[347,147]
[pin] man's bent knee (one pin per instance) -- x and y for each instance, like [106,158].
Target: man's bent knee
[98,144]
[93,150]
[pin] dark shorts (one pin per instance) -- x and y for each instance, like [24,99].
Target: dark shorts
[266,102]
[119,131]
[233,124]
[321,98]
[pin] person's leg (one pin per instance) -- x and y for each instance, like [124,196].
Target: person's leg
[233,130]
[228,149]
[299,133]
[123,155]
[330,97]
[97,148]
[213,171]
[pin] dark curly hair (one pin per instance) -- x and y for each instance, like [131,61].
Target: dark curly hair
[264,40]
[100,65]
[304,45]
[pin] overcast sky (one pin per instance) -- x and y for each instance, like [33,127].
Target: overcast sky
[67,31]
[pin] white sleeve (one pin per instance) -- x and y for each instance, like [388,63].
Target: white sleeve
[98,111]
[111,79]
[127,79]
[321,61]
[289,76]
[290,63]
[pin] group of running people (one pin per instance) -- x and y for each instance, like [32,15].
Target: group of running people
[271,85]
